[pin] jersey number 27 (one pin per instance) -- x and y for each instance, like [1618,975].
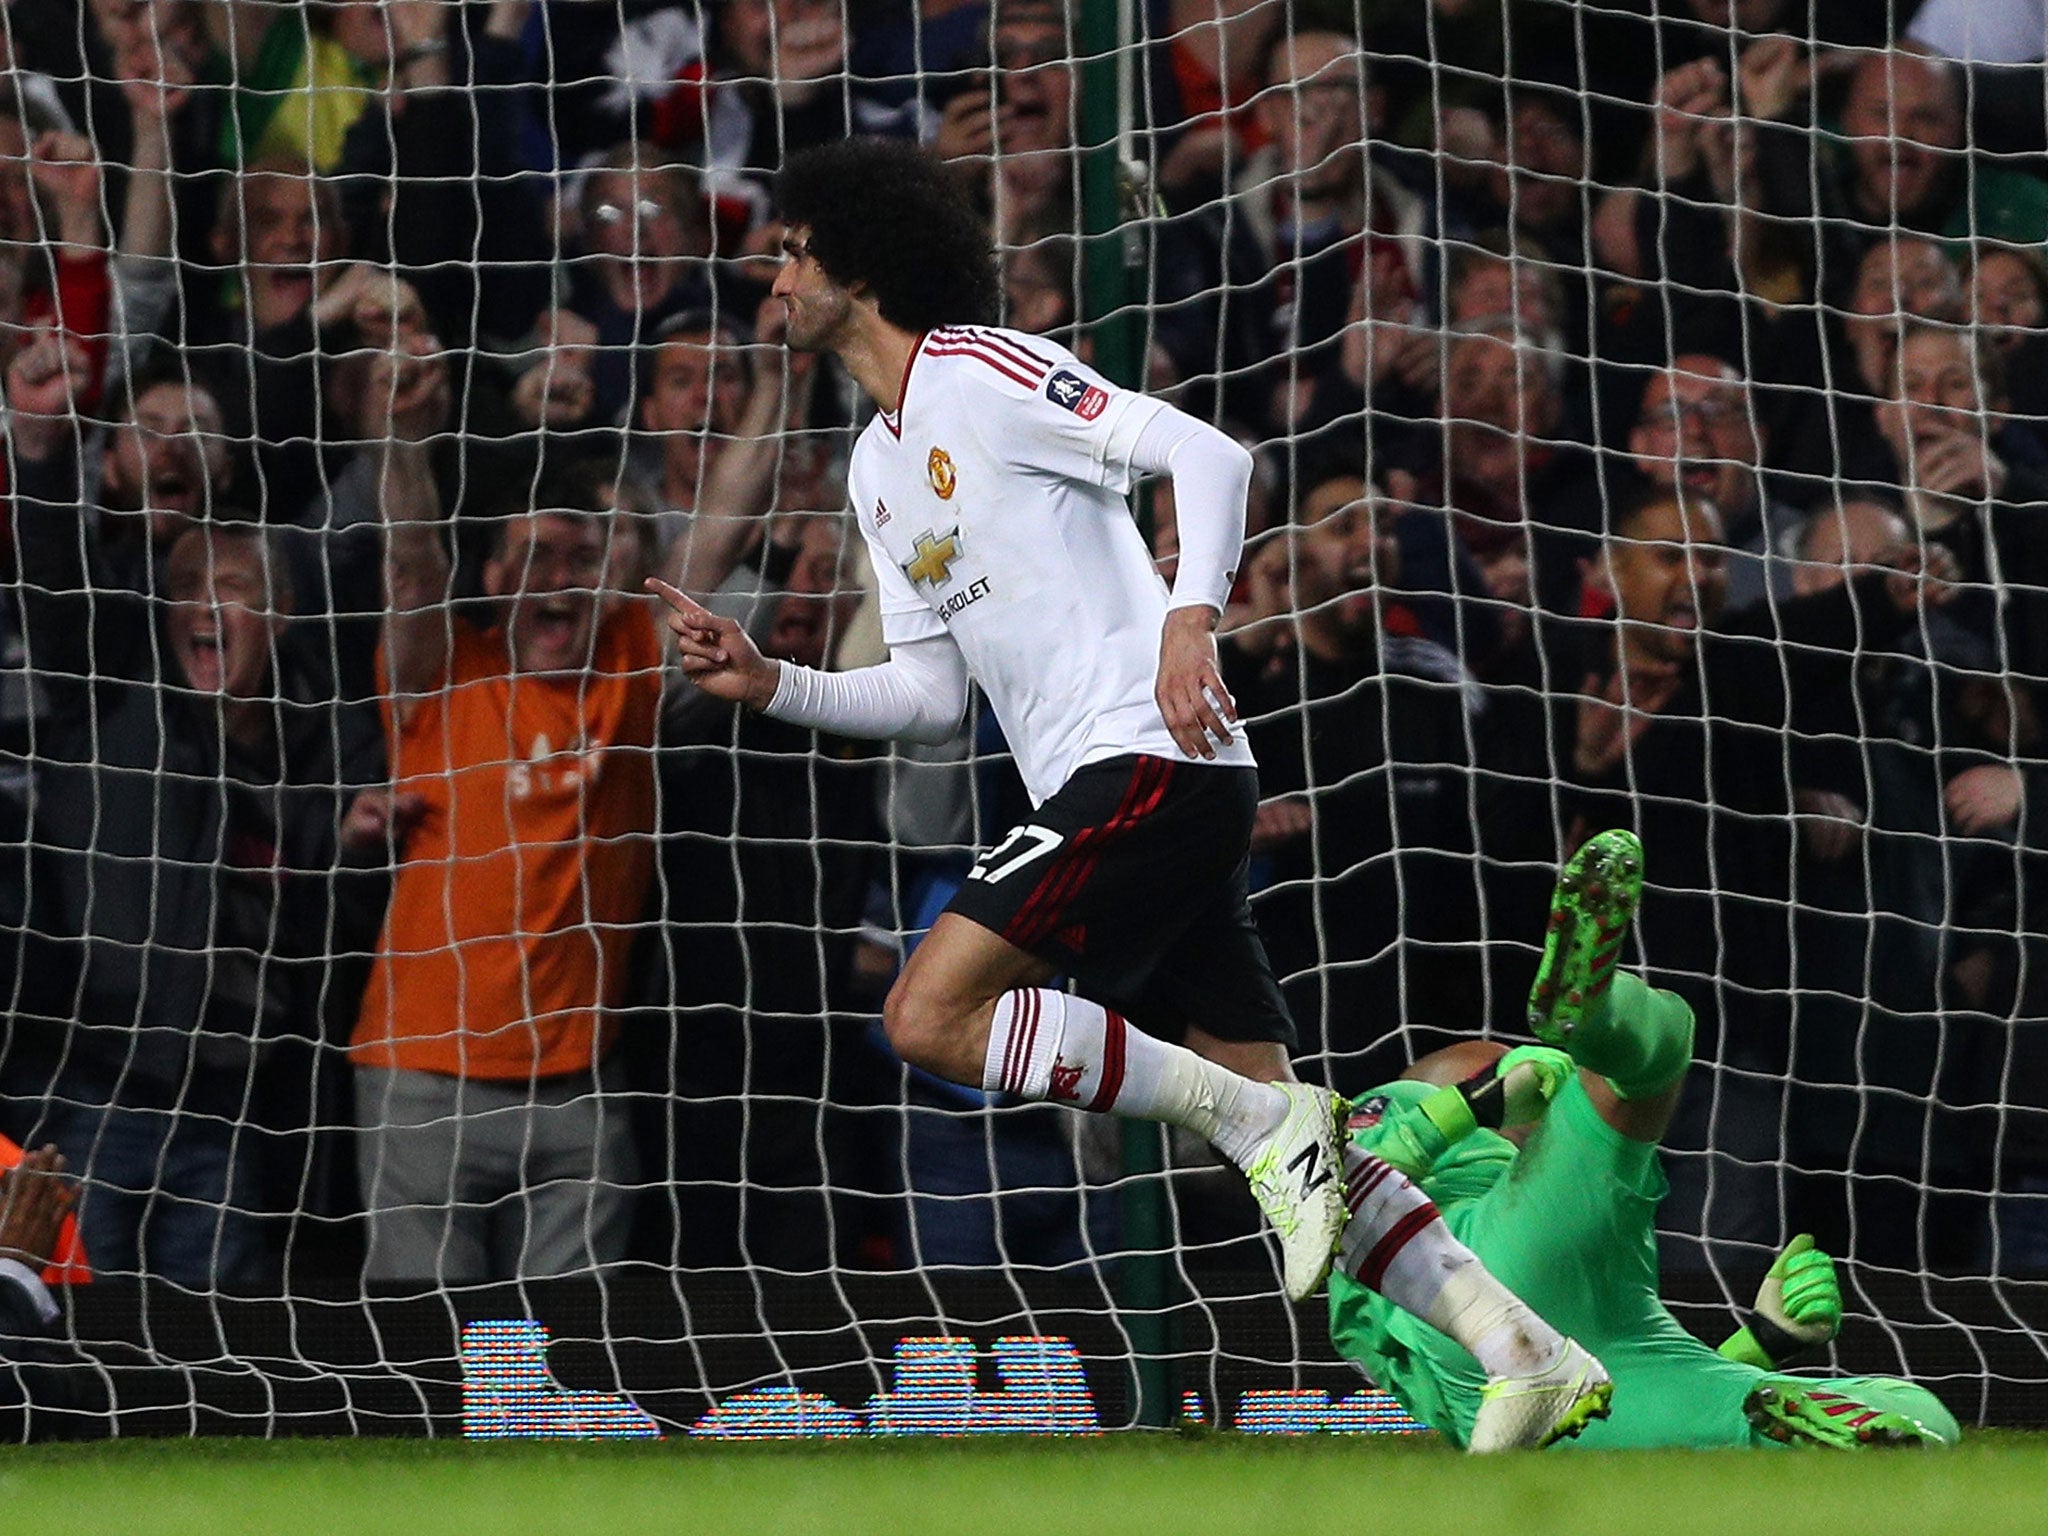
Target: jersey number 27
[1001,862]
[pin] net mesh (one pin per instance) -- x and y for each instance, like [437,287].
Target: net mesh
[1647,409]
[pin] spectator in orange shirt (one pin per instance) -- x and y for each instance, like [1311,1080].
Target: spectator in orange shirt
[522,809]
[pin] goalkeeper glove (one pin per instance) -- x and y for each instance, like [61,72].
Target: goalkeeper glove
[1530,1076]
[1514,1092]
[1412,1137]
[1798,1310]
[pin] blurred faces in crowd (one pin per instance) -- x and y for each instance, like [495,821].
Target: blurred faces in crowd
[167,458]
[1667,568]
[1501,398]
[2008,294]
[1695,430]
[284,230]
[1837,541]
[548,573]
[1904,119]
[227,608]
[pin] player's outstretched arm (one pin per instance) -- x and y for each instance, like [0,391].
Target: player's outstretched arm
[918,694]
[1798,1310]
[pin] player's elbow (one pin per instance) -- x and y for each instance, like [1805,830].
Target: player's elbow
[1215,457]
[933,684]
[929,733]
[936,724]
[1233,457]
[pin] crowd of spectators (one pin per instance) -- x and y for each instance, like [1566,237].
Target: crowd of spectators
[1648,406]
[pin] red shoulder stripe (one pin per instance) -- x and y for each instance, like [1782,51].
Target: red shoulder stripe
[1022,353]
[1023,357]
[1001,365]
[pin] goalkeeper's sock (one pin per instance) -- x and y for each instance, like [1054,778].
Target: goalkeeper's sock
[1397,1244]
[1049,1045]
[1637,1037]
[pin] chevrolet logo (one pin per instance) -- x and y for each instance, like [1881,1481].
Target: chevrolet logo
[933,557]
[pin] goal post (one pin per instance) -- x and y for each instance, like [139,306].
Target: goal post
[1108,120]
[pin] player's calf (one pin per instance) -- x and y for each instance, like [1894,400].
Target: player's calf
[940,1011]
[1048,1045]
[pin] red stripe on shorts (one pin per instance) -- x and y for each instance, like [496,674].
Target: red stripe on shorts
[1043,909]
[1141,799]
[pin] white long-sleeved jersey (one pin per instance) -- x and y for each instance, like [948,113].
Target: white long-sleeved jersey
[992,502]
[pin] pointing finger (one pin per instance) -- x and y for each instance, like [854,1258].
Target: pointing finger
[679,600]
[689,617]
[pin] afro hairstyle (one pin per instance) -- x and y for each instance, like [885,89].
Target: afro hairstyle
[894,219]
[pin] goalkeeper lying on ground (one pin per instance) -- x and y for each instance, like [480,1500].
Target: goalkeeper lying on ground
[1568,1222]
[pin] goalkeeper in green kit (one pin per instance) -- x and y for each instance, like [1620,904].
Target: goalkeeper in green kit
[1568,1220]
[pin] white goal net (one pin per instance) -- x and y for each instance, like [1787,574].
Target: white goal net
[1650,407]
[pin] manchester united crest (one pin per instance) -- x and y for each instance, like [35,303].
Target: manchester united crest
[938,469]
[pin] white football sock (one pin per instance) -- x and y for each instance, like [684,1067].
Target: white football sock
[1048,1045]
[1396,1243]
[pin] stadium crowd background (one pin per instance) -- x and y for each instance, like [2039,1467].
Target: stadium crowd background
[1648,418]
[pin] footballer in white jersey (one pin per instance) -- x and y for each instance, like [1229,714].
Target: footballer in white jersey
[992,501]
[991,491]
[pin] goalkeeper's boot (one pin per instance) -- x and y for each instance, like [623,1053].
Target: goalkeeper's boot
[1527,1413]
[1297,1176]
[1595,901]
[1821,1418]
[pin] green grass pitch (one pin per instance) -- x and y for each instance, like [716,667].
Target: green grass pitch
[1125,1485]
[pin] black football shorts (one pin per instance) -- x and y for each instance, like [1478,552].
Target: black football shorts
[1132,880]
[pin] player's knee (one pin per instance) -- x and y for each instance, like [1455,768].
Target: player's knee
[917,1023]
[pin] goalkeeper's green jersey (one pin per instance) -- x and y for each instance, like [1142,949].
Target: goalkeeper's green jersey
[1568,1224]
